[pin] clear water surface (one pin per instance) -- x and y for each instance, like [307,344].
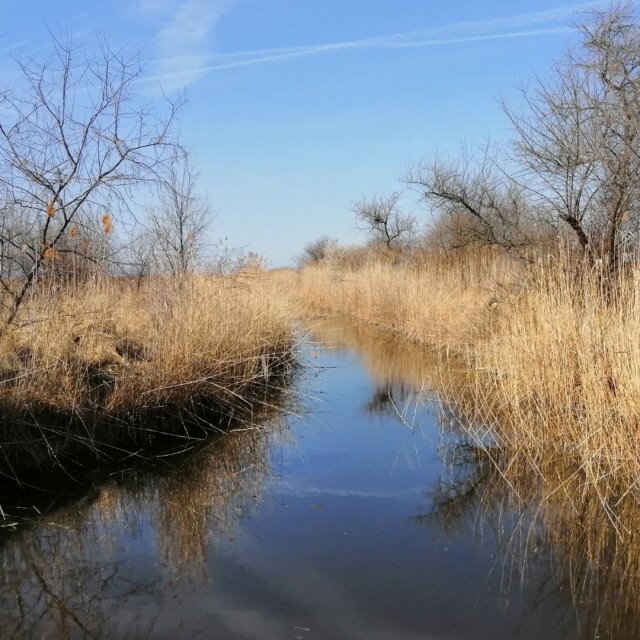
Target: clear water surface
[356,518]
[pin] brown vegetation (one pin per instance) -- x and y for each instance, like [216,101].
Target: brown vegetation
[553,355]
[434,299]
[110,353]
[150,346]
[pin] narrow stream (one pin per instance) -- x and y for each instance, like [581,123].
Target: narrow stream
[358,518]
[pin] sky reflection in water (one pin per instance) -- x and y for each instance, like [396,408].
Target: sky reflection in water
[361,518]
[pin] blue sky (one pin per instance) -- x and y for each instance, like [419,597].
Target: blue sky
[297,107]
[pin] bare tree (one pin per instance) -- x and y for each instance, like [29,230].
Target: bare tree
[179,222]
[611,40]
[577,138]
[136,258]
[474,203]
[382,219]
[316,251]
[73,138]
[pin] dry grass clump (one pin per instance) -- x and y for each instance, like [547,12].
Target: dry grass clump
[111,348]
[435,301]
[561,370]
[552,348]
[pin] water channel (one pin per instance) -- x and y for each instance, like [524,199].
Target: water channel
[361,513]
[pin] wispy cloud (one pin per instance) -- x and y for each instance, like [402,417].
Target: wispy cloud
[184,37]
[189,66]
[14,47]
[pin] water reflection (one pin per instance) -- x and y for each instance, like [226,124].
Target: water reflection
[550,536]
[105,563]
[400,373]
[594,559]
[373,517]
[397,364]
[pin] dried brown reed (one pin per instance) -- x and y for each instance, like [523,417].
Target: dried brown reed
[436,300]
[552,348]
[110,347]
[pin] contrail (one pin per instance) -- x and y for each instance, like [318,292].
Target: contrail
[459,33]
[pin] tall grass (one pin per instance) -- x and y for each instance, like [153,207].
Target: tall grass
[110,349]
[554,354]
[561,368]
[440,301]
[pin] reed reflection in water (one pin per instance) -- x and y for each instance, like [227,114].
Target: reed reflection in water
[373,515]
[105,563]
[591,559]
[551,527]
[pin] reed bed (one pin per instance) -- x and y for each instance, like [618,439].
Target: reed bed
[551,347]
[438,302]
[560,369]
[113,349]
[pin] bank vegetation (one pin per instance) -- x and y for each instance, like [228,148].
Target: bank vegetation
[528,271]
[120,317]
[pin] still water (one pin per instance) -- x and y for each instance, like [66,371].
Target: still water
[365,514]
